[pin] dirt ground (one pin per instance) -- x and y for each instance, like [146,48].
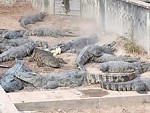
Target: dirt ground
[9,17]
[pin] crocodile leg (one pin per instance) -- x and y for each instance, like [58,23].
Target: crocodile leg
[31,59]
[61,61]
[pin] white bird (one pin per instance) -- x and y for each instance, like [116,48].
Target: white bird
[56,51]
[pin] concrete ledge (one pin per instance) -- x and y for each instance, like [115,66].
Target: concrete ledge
[6,106]
[96,102]
[73,98]
[62,104]
[139,3]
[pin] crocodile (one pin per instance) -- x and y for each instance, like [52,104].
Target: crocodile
[9,82]
[6,44]
[111,57]
[17,52]
[77,44]
[92,50]
[110,77]
[120,81]
[12,34]
[74,78]
[31,19]
[53,32]
[14,42]
[138,84]
[44,58]
[21,41]
[124,67]
[69,78]
[42,44]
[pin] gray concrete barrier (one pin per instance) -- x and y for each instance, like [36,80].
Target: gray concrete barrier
[44,5]
[129,18]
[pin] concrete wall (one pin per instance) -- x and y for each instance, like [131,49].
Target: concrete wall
[8,2]
[129,18]
[74,8]
[44,5]
[88,8]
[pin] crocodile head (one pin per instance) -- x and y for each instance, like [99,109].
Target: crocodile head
[64,46]
[28,77]
[109,48]
[43,14]
[96,50]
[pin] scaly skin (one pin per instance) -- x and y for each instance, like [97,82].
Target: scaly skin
[76,45]
[17,52]
[53,32]
[110,57]
[110,77]
[44,58]
[31,19]
[9,82]
[71,78]
[6,44]
[125,67]
[120,67]
[12,34]
[136,84]
[91,51]
[86,54]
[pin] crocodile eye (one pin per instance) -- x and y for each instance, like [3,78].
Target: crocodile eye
[62,46]
[97,53]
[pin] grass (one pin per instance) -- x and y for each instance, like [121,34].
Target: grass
[131,46]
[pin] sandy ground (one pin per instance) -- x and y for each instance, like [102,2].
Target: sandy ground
[9,19]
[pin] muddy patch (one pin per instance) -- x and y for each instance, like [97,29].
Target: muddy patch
[94,92]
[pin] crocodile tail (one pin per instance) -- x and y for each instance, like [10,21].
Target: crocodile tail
[116,86]
[133,85]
